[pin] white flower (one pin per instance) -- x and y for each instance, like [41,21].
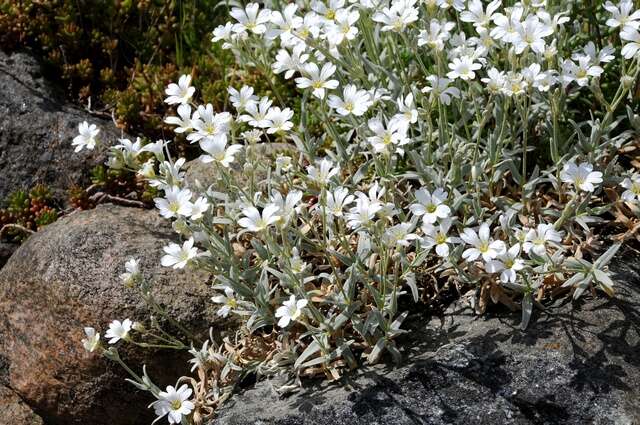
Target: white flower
[531,34]
[507,263]
[181,92]
[318,79]
[400,235]
[354,101]
[155,148]
[398,16]
[495,81]
[178,256]
[199,207]
[251,136]
[463,68]
[310,28]
[408,114]
[284,23]
[209,125]
[255,222]
[388,139]
[177,202]
[287,206]
[342,27]
[228,300]
[323,172]
[174,403]
[440,89]
[249,19]
[132,274]
[581,71]
[435,36]
[438,236]
[477,16]
[544,81]
[172,171]
[297,265]
[363,212]
[284,164]
[482,244]
[328,11]
[92,341]
[514,84]
[603,56]
[290,310]
[338,200]
[118,330]
[290,63]
[456,4]
[279,119]
[506,25]
[430,207]
[622,15]
[632,184]
[256,113]
[581,176]
[218,151]
[129,148]
[86,138]
[226,34]
[554,22]
[536,240]
[241,99]
[632,48]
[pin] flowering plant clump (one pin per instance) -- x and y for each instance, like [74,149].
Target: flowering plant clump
[440,144]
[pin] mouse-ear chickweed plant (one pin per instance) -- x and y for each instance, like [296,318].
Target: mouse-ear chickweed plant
[435,145]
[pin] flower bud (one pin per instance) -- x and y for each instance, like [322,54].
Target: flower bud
[138,327]
[627,81]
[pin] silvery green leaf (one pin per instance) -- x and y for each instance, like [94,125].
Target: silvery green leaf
[345,315]
[582,286]
[574,280]
[527,309]
[605,258]
[410,280]
[604,280]
[398,321]
[375,353]
[311,349]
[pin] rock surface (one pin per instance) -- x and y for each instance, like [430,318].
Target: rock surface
[577,364]
[15,411]
[6,250]
[66,277]
[36,130]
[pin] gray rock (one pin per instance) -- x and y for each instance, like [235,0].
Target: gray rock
[579,363]
[36,130]
[66,277]
[6,250]
[16,411]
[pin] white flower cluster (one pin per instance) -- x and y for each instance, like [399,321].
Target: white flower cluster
[442,138]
